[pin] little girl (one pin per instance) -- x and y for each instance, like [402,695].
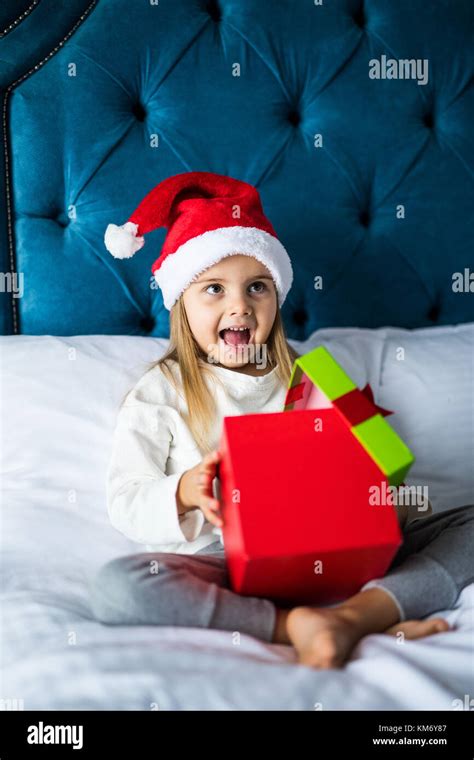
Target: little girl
[224,276]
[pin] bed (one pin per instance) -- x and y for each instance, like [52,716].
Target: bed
[56,534]
[104,99]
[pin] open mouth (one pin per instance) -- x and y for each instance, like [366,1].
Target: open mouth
[236,337]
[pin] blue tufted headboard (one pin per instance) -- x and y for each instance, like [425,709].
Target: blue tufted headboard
[369,182]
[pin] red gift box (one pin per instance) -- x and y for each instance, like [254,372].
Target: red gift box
[299,526]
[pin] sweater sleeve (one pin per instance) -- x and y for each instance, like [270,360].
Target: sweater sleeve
[141,498]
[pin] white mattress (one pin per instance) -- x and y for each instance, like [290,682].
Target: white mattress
[57,422]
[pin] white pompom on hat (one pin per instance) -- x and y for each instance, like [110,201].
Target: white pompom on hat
[122,242]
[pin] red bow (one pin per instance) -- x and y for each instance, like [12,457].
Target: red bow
[356,406]
[368,393]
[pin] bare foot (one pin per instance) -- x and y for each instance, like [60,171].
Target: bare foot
[323,637]
[416,629]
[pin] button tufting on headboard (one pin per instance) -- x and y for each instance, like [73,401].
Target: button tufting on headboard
[147,323]
[359,16]
[300,317]
[433,314]
[214,10]
[428,120]
[61,219]
[139,111]
[294,117]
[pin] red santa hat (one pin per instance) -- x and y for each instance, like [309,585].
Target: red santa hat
[208,217]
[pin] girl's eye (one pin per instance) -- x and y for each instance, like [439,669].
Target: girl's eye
[213,285]
[257,282]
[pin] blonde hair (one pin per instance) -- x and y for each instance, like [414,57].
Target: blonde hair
[185,351]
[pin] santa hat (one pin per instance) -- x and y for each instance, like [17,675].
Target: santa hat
[208,217]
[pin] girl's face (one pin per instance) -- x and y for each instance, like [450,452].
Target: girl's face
[238,291]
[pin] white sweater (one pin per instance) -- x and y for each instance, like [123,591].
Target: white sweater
[153,446]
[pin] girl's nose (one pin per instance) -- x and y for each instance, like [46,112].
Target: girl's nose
[240,306]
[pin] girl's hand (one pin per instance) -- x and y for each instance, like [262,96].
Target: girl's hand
[195,489]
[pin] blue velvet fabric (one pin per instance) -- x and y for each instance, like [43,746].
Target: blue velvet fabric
[129,92]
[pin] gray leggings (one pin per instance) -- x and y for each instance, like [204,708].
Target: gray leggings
[433,565]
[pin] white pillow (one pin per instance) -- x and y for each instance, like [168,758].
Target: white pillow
[431,388]
[59,401]
[60,397]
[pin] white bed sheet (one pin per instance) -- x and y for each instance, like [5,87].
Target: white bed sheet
[55,534]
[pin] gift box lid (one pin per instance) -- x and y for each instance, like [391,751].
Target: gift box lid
[318,381]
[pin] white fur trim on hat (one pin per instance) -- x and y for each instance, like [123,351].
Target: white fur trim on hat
[121,241]
[199,253]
